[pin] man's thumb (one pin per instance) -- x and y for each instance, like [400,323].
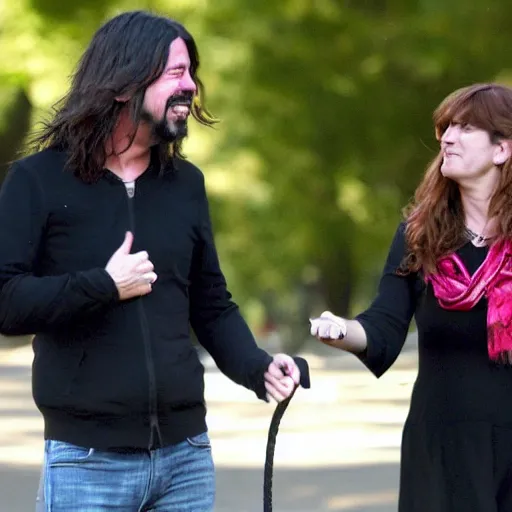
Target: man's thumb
[126,246]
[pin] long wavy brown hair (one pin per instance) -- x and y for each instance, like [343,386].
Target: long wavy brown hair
[126,55]
[435,217]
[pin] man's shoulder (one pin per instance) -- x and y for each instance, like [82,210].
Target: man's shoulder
[189,171]
[45,162]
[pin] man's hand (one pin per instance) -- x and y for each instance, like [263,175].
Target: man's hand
[132,273]
[281,378]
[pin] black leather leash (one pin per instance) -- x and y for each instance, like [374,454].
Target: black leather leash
[271,445]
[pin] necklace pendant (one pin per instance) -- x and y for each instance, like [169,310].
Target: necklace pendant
[479,241]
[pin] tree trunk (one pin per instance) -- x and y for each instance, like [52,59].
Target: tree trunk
[15,114]
[337,281]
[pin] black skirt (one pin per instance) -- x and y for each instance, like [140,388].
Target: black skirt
[456,467]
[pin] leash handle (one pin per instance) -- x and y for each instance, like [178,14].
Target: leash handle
[271,445]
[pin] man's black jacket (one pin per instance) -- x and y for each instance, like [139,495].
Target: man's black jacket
[110,373]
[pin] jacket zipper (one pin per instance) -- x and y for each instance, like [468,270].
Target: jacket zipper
[153,400]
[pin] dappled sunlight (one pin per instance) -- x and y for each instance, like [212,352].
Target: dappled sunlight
[40,61]
[21,425]
[201,144]
[354,489]
[331,424]
[239,180]
[347,418]
[179,4]
[348,502]
[337,448]
[353,198]
[325,129]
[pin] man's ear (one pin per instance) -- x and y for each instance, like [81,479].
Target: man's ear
[503,152]
[126,96]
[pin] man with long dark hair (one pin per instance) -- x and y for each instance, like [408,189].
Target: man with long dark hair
[107,255]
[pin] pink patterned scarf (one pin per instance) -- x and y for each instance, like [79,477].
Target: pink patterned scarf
[455,289]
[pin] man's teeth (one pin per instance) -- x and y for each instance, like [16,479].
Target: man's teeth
[180,109]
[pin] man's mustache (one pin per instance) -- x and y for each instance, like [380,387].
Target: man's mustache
[180,99]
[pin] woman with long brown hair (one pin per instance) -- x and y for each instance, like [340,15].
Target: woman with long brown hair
[450,265]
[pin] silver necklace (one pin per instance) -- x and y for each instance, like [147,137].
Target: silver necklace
[475,238]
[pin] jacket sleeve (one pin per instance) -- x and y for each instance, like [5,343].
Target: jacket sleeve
[217,321]
[29,303]
[386,322]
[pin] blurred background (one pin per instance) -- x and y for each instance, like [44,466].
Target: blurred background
[325,110]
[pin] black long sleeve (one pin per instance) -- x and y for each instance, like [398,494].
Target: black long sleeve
[386,322]
[217,321]
[96,356]
[28,303]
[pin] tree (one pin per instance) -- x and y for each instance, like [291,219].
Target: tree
[15,114]
[326,109]
[332,118]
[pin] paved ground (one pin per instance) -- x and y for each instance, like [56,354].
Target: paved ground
[337,449]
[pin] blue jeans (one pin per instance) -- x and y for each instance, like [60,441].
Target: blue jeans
[177,478]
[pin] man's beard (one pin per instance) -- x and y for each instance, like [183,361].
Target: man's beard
[170,131]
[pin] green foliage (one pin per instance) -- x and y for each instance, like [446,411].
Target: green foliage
[326,108]
[336,99]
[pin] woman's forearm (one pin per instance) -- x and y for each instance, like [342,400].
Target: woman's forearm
[355,340]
